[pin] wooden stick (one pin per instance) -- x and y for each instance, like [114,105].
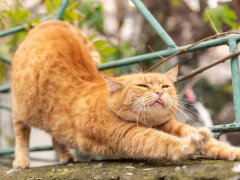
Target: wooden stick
[201,69]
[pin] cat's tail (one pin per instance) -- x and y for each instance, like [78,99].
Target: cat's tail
[96,57]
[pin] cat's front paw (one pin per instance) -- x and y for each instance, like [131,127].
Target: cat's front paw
[201,136]
[21,163]
[188,147]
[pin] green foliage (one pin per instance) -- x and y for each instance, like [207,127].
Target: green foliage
[104,48]
[220,16]
[17,15]
[91,14]
[2,71]
[71,14]
[85,12]
[124,49]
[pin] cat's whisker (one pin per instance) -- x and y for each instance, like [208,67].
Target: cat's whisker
[187,117]
[122,109]
[136,106]
[189,109]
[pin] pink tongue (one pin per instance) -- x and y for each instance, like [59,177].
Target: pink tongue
[159,101]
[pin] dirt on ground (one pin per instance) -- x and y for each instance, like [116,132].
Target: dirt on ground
[197,169]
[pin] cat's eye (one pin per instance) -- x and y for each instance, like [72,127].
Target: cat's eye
[165,86]
[142,85]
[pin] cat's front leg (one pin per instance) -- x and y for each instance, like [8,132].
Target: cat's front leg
[132,140]
[220,150]
[183,130]
[150,143]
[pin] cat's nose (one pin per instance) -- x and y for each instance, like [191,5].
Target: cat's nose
[159,93]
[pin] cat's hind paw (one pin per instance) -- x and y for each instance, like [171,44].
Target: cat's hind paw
[226,153]
[66,158]
[21,163]
[237,151]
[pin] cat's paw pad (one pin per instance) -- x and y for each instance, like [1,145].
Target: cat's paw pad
[21,163]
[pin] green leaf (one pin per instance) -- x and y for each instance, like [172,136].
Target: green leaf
[48,6]
[56,3]
[221,15]
[92,37]
[100,43]
[107,51]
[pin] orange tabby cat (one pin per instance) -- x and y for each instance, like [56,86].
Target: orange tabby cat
[57,87]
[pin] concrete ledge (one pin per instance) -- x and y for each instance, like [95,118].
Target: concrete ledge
[198,169]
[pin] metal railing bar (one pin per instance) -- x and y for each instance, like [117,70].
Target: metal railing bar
[154,24]
[61,10]
[4,152]
[5,87]
[5,60]
[168,52]
[6,107]
[226,127]
[14,30]
[233,46]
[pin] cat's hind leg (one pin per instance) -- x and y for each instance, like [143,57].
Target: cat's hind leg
[22,135]
[63,152]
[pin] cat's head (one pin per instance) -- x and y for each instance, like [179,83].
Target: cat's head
[150,99]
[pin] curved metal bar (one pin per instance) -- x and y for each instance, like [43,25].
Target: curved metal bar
[154,24]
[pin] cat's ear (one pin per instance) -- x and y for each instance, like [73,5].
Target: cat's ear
[172,73]
[113,84]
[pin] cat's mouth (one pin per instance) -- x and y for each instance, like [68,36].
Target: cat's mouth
[160,102]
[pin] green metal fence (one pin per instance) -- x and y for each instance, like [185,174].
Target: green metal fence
[230,41]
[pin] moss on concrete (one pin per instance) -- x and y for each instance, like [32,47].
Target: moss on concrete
[198,169]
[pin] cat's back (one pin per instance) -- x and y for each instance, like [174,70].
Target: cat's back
[48,68]
[54,42]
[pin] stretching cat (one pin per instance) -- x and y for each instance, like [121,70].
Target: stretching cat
[57,87]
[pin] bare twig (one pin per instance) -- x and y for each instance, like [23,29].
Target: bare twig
[185,49]
[201,69]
